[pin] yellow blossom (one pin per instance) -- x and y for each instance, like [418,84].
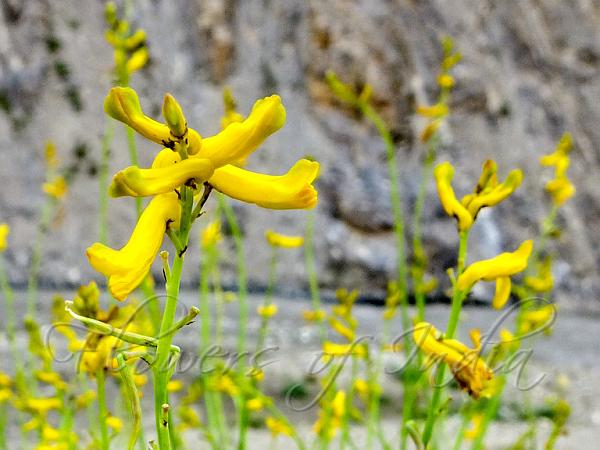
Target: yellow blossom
[430,130]
[175,385]
[127,267]
[314,315]
[543,281]
[487,192]
[267,311]
[468,368]
[282,240]
[499,269]
[51,378]
[342,329]
[433,111]
[224,383]
[50,155]
[560,188]
[211,234]
[476,427]
[538,318]
[115,423]
[255,404]
[292,190]
[277,427]
[41,406]
[136,182]
[333,349]
[57,188]
[5,395]
[445,80]
[50,433]
[4,232]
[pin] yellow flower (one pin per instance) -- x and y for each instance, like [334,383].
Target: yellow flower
[211,233]
[338,405]
[255,404]
[434,111]
[50,155]
[41,406]
[290,191]
[314,315]
[231,115]
[430,130]
[51,378]
[487,192]
[342,329]
[50,433]
[332,349]
[136,182]
[127,267]
[536,319]
[445,80]
[282,240]
[267,311]
[277,427]
[560,188]
[115,423]
[5,395]
[500,268]
[123,104]
[543,281]
[468,368]
[5,380]
[4,232]
[476,423]
[224,383]
[57,188]
[175,385]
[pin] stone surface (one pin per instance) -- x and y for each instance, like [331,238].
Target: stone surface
[530,72]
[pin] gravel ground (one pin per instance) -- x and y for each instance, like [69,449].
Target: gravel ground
[567,362]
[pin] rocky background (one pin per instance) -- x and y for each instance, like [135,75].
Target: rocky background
[531,70]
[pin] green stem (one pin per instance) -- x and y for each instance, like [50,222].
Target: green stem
[103,183]
[161,366]
[313,280]
[34,268]
[242,277]
[268,300]
[102,411]
[9,302]
[457,298]
[396,202]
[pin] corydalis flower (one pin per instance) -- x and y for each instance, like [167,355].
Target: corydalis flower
[189,160]
[4,232]
[560,188]
[499,269]
[468,368]
[281,240]
[488,192]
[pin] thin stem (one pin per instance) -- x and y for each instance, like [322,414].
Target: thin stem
[268,300]
[34,268]
[242,277]
[457,298]
[102,411]
[313,279]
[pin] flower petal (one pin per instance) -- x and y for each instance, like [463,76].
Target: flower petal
[290,191]
[503,285]
[127,267]
[137,182]
[239,139]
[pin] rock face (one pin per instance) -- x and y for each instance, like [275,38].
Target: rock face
[530,71]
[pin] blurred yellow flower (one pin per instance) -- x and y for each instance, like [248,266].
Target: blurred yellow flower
[488,192]
[115,423]
[560,188]
[4,232]
[314,315]
[211,234]
[277,427]
[468,368]
[57,188]
[267,311]
[282,240]
[499,269]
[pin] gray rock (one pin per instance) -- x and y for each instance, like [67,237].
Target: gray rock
[530,72]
